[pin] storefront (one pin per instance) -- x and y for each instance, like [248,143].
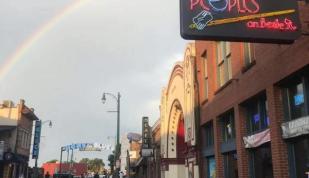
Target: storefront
[209,162]
[296,128]
[258,141]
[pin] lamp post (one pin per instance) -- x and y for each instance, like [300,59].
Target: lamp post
[117,98]
[37,136]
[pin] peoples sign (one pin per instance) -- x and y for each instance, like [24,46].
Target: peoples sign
[274,21]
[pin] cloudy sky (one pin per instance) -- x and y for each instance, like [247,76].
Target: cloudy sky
[128,46]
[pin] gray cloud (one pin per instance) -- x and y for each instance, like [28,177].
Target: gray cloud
[107,45]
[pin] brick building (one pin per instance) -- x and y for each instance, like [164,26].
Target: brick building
[254,107]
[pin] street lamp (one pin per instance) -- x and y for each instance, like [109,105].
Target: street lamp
[41,123]
[117,98]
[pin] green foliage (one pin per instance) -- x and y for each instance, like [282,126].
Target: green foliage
[52,161]
[94,165]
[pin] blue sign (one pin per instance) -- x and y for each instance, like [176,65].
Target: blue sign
[298,99]
[36,139]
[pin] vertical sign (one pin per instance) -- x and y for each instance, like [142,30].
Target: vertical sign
[1,150]
[147,151]
[36,139]
[146,133]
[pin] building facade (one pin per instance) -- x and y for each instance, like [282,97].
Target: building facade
[178,116]
[75,168]
[254,107]
[16,124]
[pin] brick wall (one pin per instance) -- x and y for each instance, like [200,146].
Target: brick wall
[272,64]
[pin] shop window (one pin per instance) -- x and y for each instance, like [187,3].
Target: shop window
[230,165]
[261,162]
[301,152]
[205,73]
[224,71]
[228,126]
[248,54]
[295,100]
[258,119]
[210,167]
[209,135]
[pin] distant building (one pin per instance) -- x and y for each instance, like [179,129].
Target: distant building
[75,168]
[16,124]
[130,148]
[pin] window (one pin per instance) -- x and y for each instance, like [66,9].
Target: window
[230,165]
[224,71]
[295,100]
[257,114]
[261,162]
[228,126]
[301,151]
[205,65]
[211,167]
[209,135]
[248,54]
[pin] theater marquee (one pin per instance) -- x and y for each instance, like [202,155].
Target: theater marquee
[274,21]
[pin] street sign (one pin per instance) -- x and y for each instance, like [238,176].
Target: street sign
[36,139]
[270,21]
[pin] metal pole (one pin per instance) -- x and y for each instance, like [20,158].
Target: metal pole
[71,165]
[60,160]
[68,153]
[118,117]
[118,133]
[128,163]
[36,175]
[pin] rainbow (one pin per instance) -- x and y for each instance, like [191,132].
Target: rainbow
[12,59]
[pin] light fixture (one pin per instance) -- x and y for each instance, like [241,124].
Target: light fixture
[103,98]
[50,124]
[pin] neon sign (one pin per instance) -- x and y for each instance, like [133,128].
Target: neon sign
[240,20]
[287,24]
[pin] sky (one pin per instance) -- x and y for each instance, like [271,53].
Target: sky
[70,58]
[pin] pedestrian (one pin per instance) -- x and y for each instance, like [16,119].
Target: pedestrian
[121,174]
[96,175]
[47,175]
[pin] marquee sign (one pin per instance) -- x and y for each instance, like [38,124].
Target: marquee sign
[87,147]
[240,20]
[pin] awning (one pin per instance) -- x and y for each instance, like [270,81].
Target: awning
[295,127]
[6,128]
[4,121]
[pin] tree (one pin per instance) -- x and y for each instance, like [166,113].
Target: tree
[84,160]
[94,165]
[52,161]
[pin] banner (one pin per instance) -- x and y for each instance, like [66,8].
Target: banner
[258,139]
[295,127]
[36,139]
